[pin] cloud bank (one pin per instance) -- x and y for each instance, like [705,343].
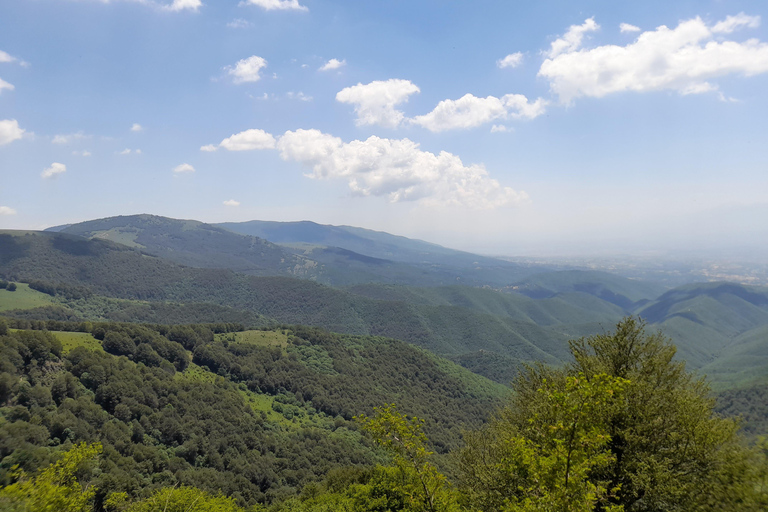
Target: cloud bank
[396,169]
[682,59]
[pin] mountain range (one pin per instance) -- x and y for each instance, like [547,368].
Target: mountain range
[487,314]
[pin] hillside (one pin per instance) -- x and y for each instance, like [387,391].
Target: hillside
[255,414]
[487,331]
[437,265]
[196,244]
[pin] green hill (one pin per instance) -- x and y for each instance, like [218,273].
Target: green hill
[195,244]
[256,415]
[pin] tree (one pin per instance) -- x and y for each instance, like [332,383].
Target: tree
[656,446]
[11,287]
[55,488]
[414,476]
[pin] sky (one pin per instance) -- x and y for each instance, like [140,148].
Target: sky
[508,128]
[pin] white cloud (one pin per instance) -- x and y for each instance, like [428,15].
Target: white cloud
[627,28]
[128,151]
[572,39]
[10,131]
[681,59]
[54,170]
[6,57]
[69,138]
[7,210]
[182,5]
[375,102]
[239,23]
[244,141]
[499,128]
[136,127]
[396,169]
[231,202]
[247,70]
[270,5]
[5,85]
[510,61]
[298,96]
[333,64]
[731,23]
[82,153]
[183,169]
[470,111]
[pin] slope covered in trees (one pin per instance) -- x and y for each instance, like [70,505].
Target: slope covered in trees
[255,414]
[624,428]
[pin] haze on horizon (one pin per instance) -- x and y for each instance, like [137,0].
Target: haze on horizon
[559,128]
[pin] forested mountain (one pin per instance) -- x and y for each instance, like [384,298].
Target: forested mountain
[487,331]
[436,265]
[196,244]
[381,257]
[255,414]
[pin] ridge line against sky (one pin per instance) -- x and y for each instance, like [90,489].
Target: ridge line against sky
[642,129]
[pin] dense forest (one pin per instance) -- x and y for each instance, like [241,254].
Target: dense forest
[110,416]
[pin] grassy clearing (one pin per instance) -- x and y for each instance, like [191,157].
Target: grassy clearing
[292,417]
[23,298]
[70,340]
[260,338]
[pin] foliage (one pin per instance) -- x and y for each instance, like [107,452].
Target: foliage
[660,447]
[185,499]
[55,488]
[416,478]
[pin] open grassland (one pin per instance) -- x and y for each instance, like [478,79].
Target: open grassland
[71,340]
[274,409]
[23,298]
[261,338]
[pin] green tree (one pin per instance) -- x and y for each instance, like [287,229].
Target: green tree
[185,499]
[414,476]
[11,287]
[55,488]
[665,448]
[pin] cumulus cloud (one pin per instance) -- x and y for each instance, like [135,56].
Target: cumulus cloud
[499,128]
[54,170]
[247,70]
[683,59]
[470,111]
[731,23]
[271,5]
[244,141]
[183,5]
[183,169]
[572,39]
[128,151]
[6,57]
[7,210]
[626,28]
[68,138]
[396,169]
[231,202]
[5,85]
[136,127]
[239,23]
[510,61]
[333,64]
[84,152]
[297,96]
[375,102]
[10,131]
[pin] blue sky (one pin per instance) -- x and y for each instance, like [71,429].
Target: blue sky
[502,127]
